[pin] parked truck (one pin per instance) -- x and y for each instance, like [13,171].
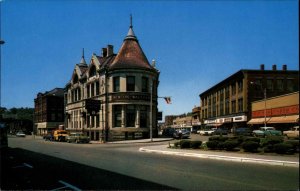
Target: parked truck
[60,135]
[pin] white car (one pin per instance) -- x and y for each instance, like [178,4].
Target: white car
[206,131]
[20,134]
[293,133]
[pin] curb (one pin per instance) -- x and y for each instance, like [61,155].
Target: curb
[227,158]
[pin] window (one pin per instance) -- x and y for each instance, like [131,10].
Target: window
[240,86]
[130,83]
[130,116]
[233,106]
[97,88]
[290,85]
[143,116]
[226,107]
[116,85]
[270,85]
[144,84]
[117,115]
[233,89]
[279,84]
[92,71]
[240,103]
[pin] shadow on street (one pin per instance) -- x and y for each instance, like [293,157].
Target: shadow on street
[23,169]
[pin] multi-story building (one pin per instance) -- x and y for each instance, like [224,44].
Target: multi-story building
[169,120]
[228,103]
[280,111]
[49,110]
[115,95]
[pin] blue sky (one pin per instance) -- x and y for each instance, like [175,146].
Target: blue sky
[196,44]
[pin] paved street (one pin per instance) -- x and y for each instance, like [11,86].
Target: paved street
[50,165]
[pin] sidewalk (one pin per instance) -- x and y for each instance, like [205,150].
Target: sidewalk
[282,160]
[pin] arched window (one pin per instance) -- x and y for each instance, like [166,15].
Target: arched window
[92,71]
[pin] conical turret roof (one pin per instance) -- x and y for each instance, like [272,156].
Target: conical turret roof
[130,54]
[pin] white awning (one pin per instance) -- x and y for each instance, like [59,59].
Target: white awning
[258,120]
[284,119]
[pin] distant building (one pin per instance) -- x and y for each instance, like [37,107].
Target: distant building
[228,103]
[110,98]
[280,111]
[169,120]
[49,110]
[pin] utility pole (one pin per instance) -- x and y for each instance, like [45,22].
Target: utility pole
[150,124]
[1,42]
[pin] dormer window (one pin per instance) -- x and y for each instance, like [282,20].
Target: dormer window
[75,79]
[92,71]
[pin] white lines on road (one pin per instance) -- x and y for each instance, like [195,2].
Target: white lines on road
[66,185]
[23,165]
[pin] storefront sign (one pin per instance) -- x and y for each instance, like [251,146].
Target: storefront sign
[289,110]
[130,97]
[240,118]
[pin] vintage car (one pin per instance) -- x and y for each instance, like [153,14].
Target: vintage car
[206,131]
[293,133]
[220,131]
[77,138]
[181,134]
[21,134]
[243,131]
[266,131]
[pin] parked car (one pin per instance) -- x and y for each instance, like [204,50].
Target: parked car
[20,134]
[49,137]
[242,131]
[181,134]
[293,133]
[206,131]
[77,138]
[266,131]
[220,131]
[168,132]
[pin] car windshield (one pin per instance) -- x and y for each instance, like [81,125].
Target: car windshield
[62,132]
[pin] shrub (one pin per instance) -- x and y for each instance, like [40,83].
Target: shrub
[231,144]
[221,145]
[184,144]
[295,144]
[217,138]
[250,146]
[283,148]
[195,144]
[272,140]
[212,144]
[240,139]
[254,139]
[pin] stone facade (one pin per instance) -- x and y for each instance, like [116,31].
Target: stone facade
[111,97]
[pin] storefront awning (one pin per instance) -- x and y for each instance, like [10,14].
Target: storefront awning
[258,120]
[284,119]
[214,124]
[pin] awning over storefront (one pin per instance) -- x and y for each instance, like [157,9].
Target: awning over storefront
[214,124]
[284,119]
[258,120]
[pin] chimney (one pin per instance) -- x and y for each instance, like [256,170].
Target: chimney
[262,67]
[284,67]
[104,52]
[274,68]
[110,50]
